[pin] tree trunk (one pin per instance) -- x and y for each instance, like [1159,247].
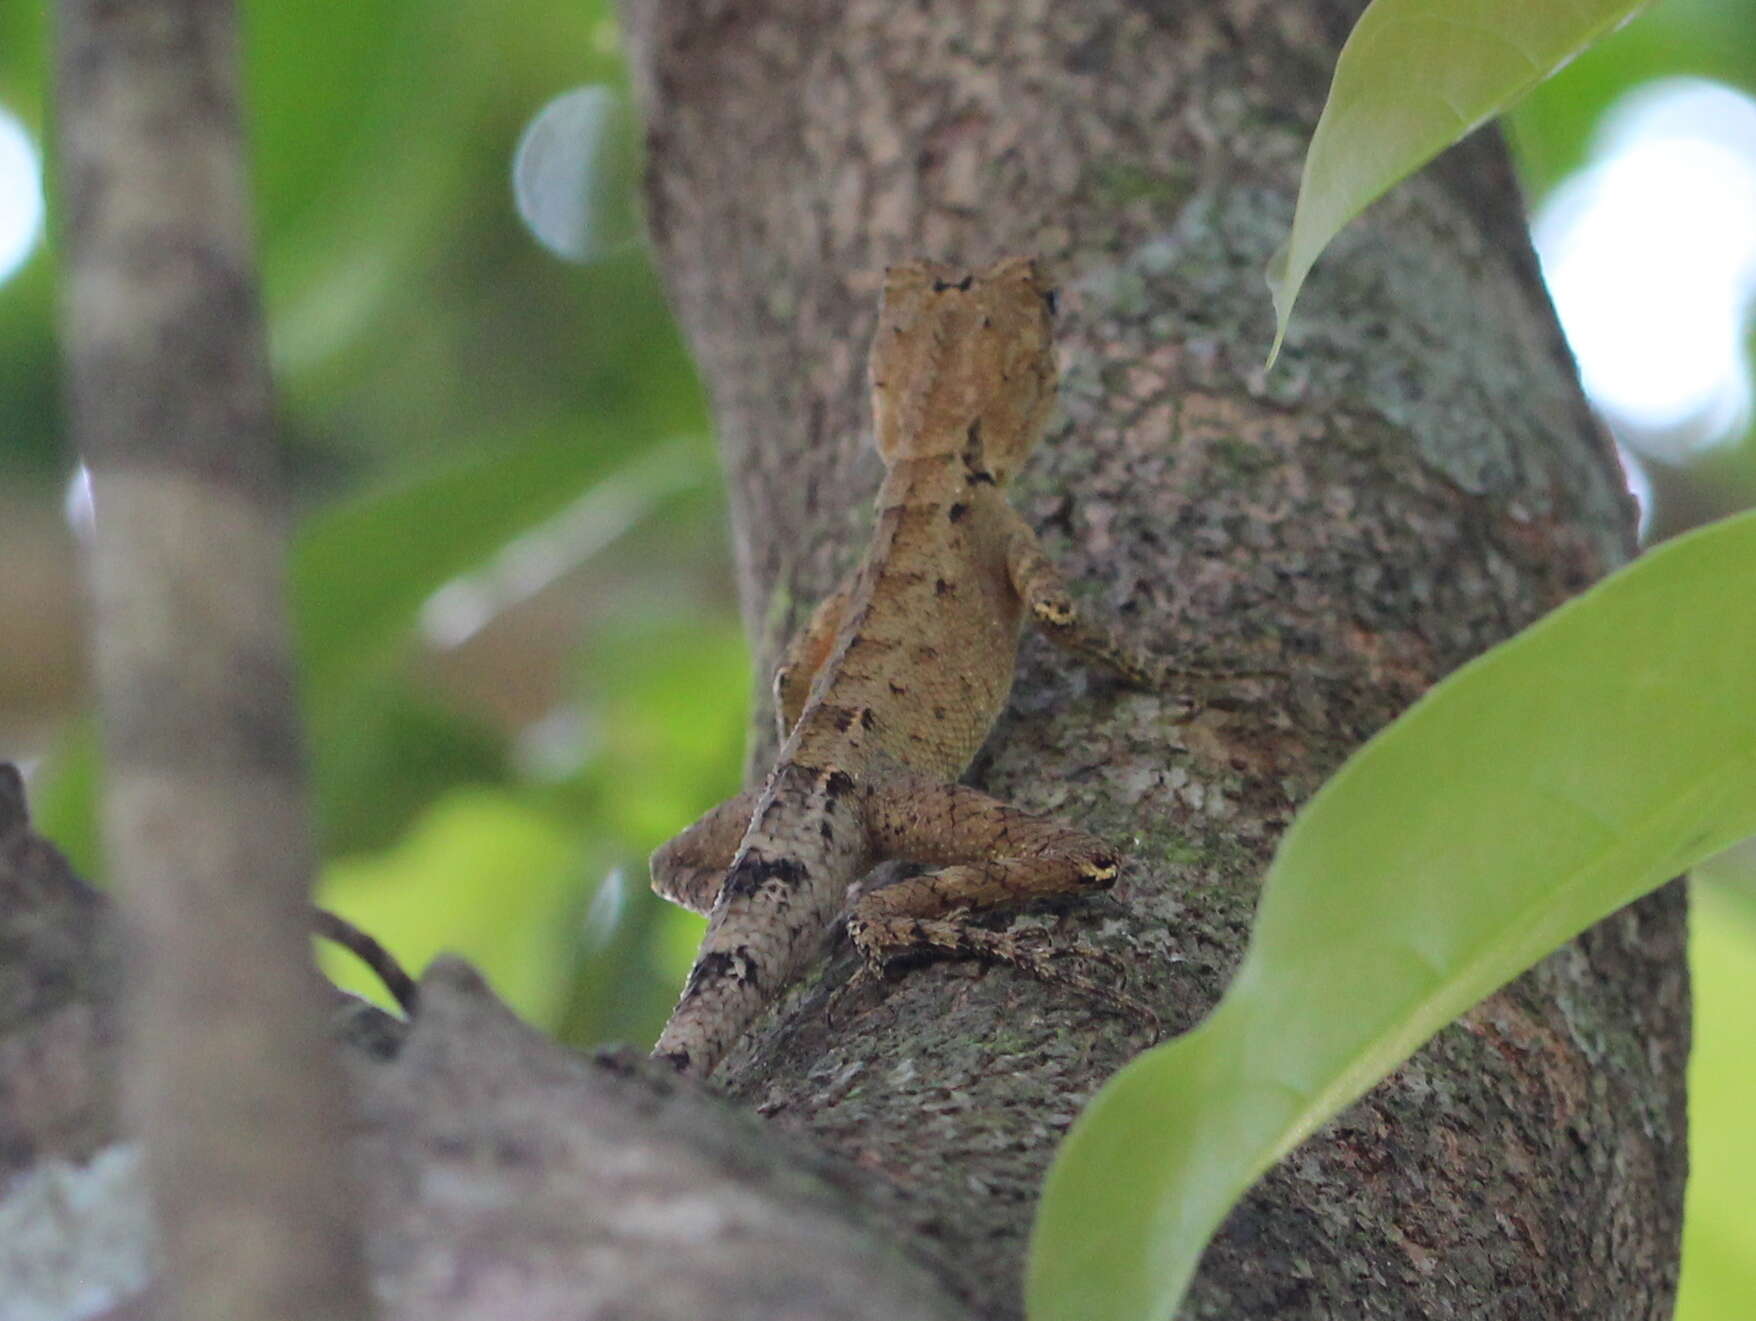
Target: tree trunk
[1417,479]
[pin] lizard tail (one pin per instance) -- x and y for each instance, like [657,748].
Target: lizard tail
[807,840]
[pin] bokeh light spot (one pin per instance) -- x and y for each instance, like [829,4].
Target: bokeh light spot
[1650,255]
[573,175]
[21,194]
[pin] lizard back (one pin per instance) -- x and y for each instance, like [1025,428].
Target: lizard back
[963,379]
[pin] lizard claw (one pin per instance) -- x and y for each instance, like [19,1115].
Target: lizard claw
[1033,951]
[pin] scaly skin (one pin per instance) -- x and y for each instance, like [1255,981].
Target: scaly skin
[891,688]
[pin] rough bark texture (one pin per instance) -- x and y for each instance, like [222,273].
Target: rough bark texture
[1416,480]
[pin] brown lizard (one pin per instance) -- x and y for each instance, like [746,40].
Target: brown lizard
[886,694]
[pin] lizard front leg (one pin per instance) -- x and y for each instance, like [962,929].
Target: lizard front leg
[1043,590]
[989,855]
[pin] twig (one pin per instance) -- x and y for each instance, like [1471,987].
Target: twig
[334,927]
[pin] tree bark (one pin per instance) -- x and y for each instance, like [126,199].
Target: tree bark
[1417,479]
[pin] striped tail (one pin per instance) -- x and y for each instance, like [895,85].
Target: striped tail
[806,844]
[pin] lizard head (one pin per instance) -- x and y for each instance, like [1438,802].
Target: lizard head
[963,363]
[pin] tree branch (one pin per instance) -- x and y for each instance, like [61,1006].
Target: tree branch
[504,1175]
[232,1085]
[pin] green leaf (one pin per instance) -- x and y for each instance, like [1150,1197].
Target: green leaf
[1414,77]
[670,741]
[1533,793]
[383,754]
[1719,1234]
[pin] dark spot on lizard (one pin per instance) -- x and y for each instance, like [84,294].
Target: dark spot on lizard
[962,286]
[677,1059]
[754,870]
[845,717]
[721,966]
[957,511]
[826,830]
[972,456]
[896,689]
[939,713]
[1052,300]
[837,784]
[942,587]
[926,653]
[867,719]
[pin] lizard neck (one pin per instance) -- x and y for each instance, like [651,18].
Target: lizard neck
[922,479]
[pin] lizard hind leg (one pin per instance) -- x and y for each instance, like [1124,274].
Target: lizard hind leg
[990,855]
[690,869]
[1095,638]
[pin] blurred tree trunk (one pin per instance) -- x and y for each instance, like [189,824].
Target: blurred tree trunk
[1415,481]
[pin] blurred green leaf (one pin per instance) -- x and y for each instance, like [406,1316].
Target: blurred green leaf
[1534,792]
[362,570]
[618,992]
[1552,128]
[29,368]
[64,799]
[482,875]
[670,742]
[322,76]
[666,745]
[1414,77]
[1719,1233]
[381,137]
[24,39]
[383,754]
[31,441]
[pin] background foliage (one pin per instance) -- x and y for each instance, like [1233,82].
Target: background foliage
[522,659]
